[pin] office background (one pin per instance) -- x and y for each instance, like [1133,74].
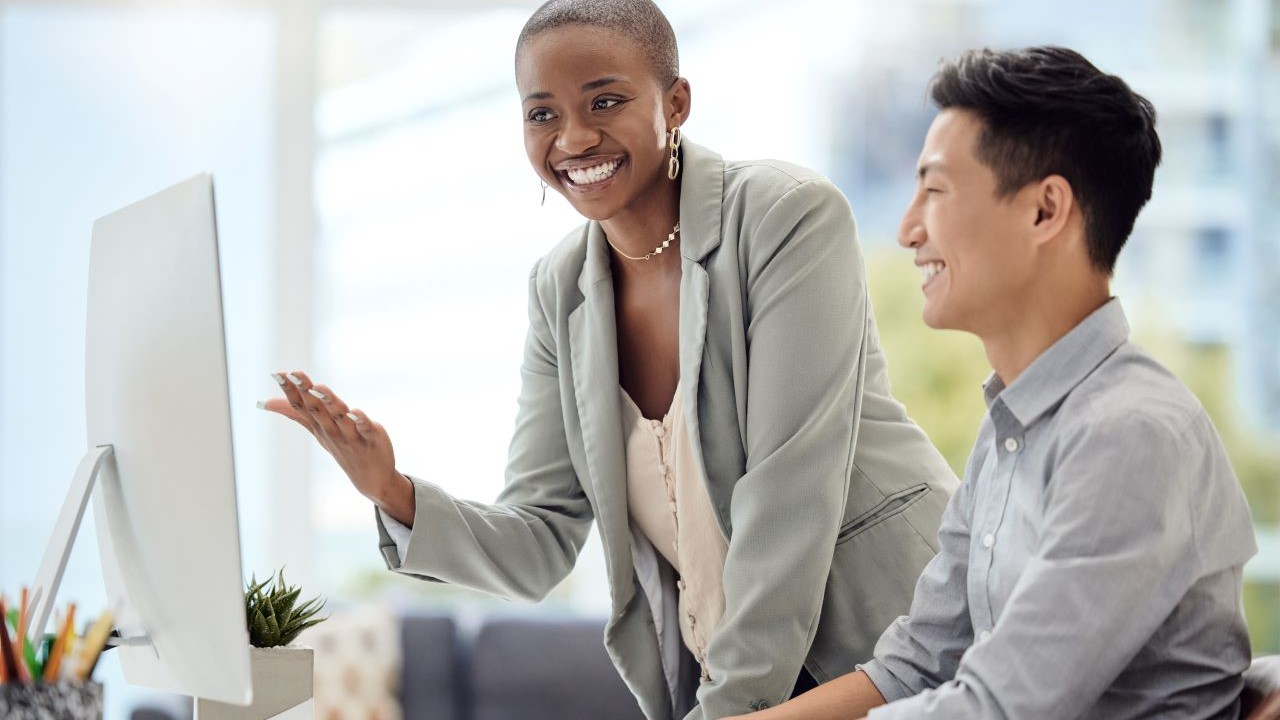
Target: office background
[378,219]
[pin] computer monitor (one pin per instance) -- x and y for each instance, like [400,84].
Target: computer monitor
[159,429]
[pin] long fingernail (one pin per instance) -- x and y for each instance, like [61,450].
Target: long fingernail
[317,394]
[278,378]
[354,417]
[262,404]
[294,379]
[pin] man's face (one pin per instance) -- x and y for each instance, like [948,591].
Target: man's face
[970,245]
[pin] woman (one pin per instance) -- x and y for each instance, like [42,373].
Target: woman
[701,377]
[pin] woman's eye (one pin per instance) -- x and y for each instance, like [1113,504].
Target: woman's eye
[539,115]
[604,103]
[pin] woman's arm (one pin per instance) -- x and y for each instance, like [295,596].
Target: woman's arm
[522,545]
[806,328]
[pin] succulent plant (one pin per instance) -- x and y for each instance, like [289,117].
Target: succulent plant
[273,613]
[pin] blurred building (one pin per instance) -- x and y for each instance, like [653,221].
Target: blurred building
[1205,256]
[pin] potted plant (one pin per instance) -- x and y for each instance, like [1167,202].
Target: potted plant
[282,673]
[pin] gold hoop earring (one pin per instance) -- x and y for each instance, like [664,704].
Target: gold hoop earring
[544,193]
[673,165]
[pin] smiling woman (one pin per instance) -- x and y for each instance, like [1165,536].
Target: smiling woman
[701,379]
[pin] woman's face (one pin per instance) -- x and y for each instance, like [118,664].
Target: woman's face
[596,118]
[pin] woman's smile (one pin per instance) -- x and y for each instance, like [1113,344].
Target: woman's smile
[590,174]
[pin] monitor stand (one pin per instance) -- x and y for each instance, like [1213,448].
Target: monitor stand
[282,678]
[54,563]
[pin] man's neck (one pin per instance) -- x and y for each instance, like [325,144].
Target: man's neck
[1038,321]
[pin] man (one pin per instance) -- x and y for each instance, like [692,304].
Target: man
[1090,564]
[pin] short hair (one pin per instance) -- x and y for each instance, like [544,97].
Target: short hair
[1048,110]
[639,20]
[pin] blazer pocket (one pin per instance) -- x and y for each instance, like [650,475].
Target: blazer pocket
[892,505]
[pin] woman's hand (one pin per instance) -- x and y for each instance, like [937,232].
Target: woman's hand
[360,445]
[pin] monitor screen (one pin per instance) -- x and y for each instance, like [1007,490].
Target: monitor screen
[165,501]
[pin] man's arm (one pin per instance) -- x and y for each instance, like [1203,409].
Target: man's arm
[1116,554]
[850,696]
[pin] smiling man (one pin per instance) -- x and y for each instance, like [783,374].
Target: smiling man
[1090,564]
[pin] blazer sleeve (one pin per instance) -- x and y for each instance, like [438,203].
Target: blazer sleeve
[526,542]
[806,315]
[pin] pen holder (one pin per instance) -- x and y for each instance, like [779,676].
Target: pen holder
[47,701]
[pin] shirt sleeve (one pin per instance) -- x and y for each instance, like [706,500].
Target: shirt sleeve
[923,648]
[1117,526]
[399,533]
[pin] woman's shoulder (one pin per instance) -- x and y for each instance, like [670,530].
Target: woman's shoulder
[561,267]
[763,183]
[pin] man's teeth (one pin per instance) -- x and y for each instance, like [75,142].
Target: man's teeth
[931,269]
[594,174]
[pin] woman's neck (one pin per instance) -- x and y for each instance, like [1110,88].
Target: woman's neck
[644,225]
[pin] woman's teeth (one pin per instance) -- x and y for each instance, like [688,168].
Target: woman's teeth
[931,269]
[593,174]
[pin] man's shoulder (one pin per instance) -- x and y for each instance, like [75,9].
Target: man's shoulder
[1132,390]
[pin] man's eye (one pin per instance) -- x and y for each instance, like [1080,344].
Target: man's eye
[539,115]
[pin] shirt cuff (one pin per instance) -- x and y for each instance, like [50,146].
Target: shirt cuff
[399,533]
[886,682]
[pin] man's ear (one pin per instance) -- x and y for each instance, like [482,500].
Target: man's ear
[678,99]
[1054,201]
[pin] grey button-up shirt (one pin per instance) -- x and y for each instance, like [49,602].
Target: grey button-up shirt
[1090,564]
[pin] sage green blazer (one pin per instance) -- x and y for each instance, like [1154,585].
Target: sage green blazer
[829,495]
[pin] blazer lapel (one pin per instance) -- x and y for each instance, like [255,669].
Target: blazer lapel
[593,346]
[701,199]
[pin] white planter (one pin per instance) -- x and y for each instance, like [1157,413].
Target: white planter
[283,680]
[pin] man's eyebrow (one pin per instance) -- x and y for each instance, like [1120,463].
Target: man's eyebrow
[925,168]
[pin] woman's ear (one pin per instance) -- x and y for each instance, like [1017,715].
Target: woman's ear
[677,102]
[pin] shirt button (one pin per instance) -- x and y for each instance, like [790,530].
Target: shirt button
[659,431]
[680,584]
[1011,444]
[984,636]
[988,540]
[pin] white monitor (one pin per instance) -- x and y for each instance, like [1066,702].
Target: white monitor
[165,502]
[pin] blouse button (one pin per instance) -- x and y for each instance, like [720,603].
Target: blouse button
[1011,445]
[680,584]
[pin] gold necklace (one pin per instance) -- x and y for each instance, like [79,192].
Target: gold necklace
[671,237]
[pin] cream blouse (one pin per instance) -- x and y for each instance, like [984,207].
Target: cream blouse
[667,499]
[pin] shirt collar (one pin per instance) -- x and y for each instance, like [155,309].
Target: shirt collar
[1063,366]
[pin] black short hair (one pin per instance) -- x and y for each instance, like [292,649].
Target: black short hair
[1048,110]
[639,20]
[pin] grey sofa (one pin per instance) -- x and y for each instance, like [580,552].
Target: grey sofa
[530,668]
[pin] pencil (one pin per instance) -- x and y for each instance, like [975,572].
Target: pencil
[22,625]
[54,661]
[7,657]
[91,647]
